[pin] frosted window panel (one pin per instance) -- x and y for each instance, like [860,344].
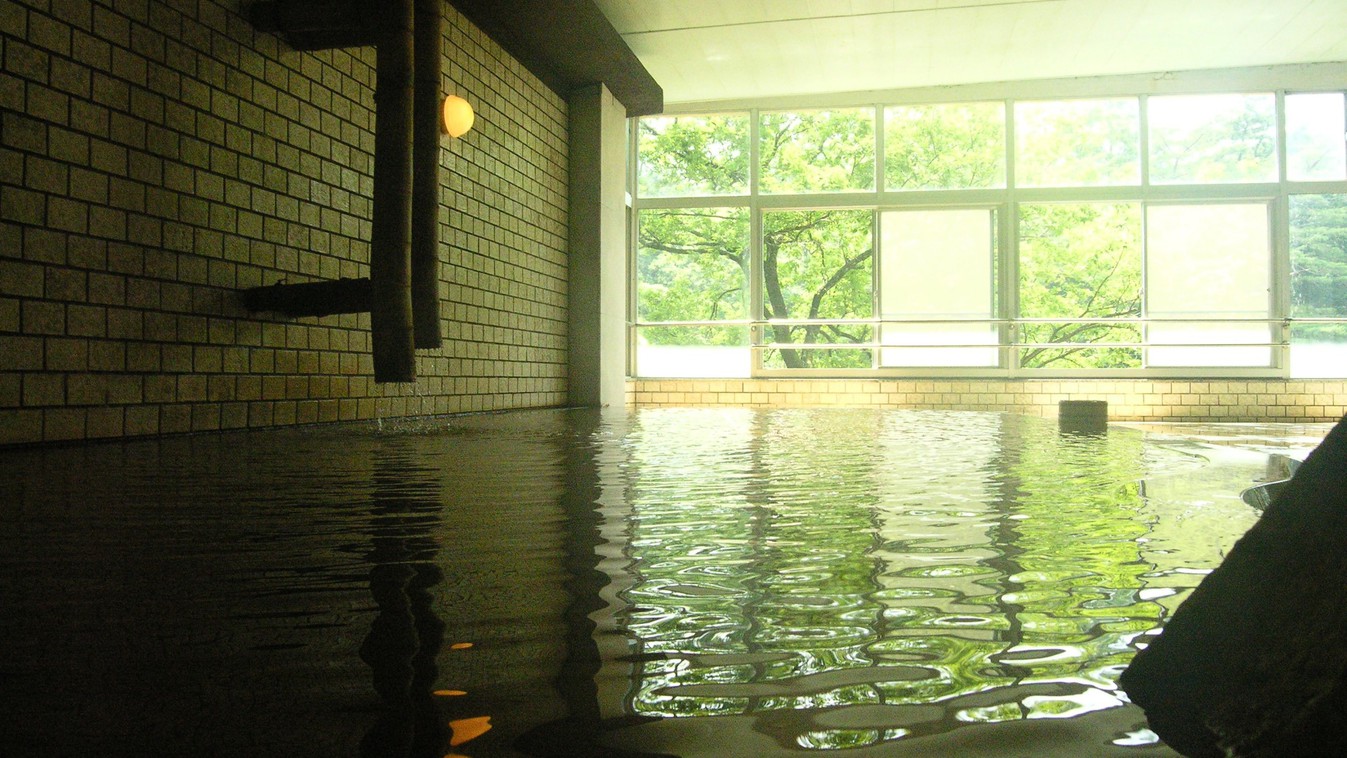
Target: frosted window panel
[1208,262]
[693,352]
[938,265]
[692,362]
[1315,146]
[1317,353]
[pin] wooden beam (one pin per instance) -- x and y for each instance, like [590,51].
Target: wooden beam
[310,25]
[391,226]
[568,44]
[311,298]
[426,151]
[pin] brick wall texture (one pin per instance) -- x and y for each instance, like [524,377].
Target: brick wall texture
[159,156]
[1218,400]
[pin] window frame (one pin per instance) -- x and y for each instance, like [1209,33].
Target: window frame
[1005,202]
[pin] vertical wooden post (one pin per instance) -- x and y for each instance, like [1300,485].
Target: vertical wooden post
[390,239]
[426,174]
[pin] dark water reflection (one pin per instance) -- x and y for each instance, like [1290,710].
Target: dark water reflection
[405,637]
[681,581]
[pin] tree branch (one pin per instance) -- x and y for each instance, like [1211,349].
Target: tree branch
[816,303]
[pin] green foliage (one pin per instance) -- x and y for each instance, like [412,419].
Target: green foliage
[1080,261]
[689,155]
[1319,264]
[958,146]
[1213,138]
[818,265]
[824,357]
[692,265]
[1077,143]
[818,151]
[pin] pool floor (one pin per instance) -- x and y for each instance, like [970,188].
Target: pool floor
[691,582]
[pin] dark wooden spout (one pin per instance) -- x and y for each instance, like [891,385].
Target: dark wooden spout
[387,296]
[426,174]
[390,240]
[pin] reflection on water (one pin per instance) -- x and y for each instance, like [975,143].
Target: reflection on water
[883,576]
[713,582]
[406,635]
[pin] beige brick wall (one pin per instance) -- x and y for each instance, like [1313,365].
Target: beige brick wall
[156,157]
[1128,399]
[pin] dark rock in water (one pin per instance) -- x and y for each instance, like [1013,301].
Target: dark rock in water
[1253,663]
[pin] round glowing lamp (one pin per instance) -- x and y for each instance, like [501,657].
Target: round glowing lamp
[455,116]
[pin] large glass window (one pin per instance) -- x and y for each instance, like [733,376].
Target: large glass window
[1080,281]
[951,146]
[818,151]
[1213,138]
[1077,143]
[925,238]
[938,277]
[817,267]
[1318,284]
[1207,268]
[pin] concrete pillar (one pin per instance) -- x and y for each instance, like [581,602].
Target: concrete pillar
[598,255]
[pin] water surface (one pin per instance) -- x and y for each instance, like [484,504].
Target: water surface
[663,581]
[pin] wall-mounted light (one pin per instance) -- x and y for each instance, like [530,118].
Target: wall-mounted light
[455,116]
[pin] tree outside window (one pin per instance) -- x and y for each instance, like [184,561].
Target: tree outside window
[818,265]
[1081,262]
[819,278]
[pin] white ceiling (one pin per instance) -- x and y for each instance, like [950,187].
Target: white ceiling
[710,50]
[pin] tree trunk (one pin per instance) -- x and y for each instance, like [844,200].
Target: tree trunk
[772,284]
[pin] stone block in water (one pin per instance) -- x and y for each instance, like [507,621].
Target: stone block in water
[1083,416]
[1253,663]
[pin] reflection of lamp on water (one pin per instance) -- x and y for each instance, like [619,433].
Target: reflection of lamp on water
[456,116]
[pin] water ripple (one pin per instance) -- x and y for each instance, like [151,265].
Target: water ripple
[934,568]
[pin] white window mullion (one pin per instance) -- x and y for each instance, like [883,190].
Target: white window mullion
[1009,250]
[633,217]
[755,294]
[1144,114]
[1280,245]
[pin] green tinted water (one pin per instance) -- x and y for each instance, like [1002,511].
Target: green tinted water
[714,582]
[905,573]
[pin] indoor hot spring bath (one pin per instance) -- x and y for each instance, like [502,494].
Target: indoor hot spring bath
[689,582]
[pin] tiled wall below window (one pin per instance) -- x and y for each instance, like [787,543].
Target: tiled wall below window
[1128,399]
